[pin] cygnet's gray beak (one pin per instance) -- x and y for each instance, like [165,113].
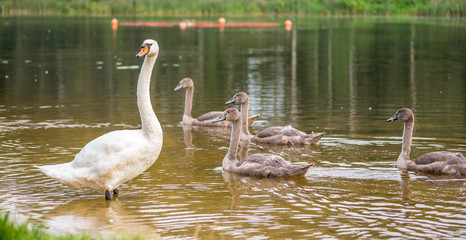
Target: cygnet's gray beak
[231,101]
[393,118]
[220,118]
[178,87]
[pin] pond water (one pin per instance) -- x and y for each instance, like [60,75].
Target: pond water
[67,80]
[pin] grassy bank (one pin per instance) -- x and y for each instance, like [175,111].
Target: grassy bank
[13,231]
[214,7]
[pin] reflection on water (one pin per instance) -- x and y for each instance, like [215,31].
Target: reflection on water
[344,76]
[104,218]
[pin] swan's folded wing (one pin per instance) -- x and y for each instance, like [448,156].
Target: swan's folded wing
[280,130]
[209,116]
[270,165]
[439,156]
[265,159]
[269,132]
[109,149]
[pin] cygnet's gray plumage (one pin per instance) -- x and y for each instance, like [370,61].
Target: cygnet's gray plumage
[279,135]
[206,118]
[439,161]
[258,164]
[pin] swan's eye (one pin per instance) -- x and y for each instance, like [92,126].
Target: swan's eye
[146,45]
[144,50]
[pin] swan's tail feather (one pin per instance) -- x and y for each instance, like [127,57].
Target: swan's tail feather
[300,171]
[54,171]
[62,173]
[252,119]
[314,138]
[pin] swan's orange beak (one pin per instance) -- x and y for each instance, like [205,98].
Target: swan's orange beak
[143,52]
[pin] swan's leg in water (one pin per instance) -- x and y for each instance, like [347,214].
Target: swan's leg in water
[116,191]
[108,195]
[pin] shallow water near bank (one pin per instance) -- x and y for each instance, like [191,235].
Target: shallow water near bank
[65,81]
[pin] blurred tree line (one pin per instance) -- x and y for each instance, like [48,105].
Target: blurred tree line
[210,7]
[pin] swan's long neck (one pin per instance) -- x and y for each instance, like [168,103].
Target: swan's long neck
[244,117]
[188,104]
[403,159]
[234,142]
[149,122]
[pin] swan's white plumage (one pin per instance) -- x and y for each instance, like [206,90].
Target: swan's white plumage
[119,156]
[107,161]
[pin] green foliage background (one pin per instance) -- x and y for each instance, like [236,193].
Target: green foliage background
[210,7]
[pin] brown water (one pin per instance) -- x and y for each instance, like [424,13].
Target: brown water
[66,81]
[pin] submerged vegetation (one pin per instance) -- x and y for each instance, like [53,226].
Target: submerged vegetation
[211,7]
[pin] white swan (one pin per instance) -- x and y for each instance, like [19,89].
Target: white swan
[119,156]
[439,161]
[206,118]
[258,164]
[279,135]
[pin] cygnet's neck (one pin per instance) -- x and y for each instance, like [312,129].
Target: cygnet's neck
[403,159]
[230,158]
[188,104]
[245,135]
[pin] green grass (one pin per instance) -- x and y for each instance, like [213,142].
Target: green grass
[215,7]
[22,231]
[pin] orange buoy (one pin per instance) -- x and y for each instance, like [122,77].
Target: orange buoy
[221,21]
[288,25]
[114,24]
[182,25]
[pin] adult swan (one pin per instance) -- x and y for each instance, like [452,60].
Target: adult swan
[119,156]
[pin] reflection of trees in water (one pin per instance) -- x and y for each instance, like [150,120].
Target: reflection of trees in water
[352,84]
[412,69]
[98,217]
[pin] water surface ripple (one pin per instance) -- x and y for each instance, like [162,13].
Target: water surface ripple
[342,76]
